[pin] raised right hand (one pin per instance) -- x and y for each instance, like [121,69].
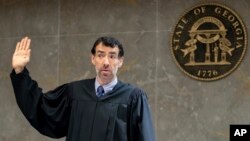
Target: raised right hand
[21,56]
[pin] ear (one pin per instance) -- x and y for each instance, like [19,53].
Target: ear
[92,57]
[120,62]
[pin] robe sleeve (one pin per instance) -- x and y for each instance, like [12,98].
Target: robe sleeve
[47,112]
[141,124]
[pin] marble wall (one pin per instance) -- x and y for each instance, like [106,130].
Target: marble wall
[63,32]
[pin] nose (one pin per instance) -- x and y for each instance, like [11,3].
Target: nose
[106,61]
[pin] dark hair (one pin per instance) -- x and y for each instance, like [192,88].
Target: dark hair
[109,42]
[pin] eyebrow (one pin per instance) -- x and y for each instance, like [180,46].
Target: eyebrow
[99,51]
[112,52]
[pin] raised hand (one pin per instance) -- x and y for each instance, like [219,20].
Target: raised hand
[21,55]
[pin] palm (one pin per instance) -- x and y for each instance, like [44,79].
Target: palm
[21,55]
[20,59]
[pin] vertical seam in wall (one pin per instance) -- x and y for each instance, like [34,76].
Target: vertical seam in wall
[58,39]
[156,68]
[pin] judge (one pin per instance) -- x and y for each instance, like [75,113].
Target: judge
[98,109]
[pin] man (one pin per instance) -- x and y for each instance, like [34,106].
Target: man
[98,109]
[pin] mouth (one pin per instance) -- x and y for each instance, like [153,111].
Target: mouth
[105,70]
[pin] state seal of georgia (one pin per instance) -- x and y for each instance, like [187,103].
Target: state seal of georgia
[209,42]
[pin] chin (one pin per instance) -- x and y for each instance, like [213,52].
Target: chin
[106,77]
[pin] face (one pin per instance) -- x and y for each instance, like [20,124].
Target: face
[106,62]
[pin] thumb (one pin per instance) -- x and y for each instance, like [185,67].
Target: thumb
[29,53]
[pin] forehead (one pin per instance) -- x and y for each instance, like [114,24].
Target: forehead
[102,48]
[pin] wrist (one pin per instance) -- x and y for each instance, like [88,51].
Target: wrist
[18,70]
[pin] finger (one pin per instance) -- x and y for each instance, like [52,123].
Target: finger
[28,44]
[29,52]
[17,47]
[21,44]
[24,43]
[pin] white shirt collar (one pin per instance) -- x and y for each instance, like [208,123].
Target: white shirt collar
[108,87]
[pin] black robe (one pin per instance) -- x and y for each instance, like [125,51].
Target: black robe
[73,110]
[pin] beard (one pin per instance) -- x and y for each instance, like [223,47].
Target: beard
[105,77]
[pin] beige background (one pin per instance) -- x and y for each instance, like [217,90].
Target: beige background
[63,32]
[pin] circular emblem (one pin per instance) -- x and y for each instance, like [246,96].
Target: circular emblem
[209,42]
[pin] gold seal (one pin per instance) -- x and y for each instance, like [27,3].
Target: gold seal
[209,42]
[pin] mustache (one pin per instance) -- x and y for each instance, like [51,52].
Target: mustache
[105,69]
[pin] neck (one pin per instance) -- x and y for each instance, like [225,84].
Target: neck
[104,81]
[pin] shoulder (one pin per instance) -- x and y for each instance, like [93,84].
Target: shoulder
[135,90]
[139,92]
[82,82]
[136,93]
[138,97]
[78,85]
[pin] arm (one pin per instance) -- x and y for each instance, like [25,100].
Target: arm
[141,124]
[49,112]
